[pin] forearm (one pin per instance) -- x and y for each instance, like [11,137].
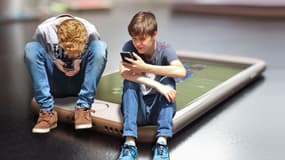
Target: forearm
[169,71]
[167,91]
[148,82]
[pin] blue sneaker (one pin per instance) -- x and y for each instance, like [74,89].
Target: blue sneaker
[128,152]
[160,151]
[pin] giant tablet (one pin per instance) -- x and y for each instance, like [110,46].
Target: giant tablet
[211,78]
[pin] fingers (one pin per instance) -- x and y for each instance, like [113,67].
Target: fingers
[136,56]
[61,68]
[171,96]
[72,72]
[129,60]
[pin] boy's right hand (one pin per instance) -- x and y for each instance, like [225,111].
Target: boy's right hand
[59,64]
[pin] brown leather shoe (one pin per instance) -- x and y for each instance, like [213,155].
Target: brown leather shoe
[46,122]
[82,118]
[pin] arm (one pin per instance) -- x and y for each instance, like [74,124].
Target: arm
[175,69]
[168,92]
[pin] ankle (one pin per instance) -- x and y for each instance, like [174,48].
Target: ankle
[130,141]
[162,140]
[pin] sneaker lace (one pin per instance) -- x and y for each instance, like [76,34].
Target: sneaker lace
[44,116]
[162,150]
[128,150]
[88,112]
[85,112]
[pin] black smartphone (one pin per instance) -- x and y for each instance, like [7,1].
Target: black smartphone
[68,64]
[128,55]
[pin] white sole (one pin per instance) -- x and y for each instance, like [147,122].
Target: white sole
[43,130]
[83,126]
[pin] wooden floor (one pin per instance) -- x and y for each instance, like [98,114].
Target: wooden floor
[248,126]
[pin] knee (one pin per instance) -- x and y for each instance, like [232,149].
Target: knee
[31,50]
[98,44]
[168,81]
[130,85]
[99,48]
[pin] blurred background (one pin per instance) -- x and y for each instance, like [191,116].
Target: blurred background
[247,126]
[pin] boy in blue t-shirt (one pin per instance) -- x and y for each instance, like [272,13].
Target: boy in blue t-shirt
[149,88]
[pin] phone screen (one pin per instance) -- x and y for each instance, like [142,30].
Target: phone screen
[128,55]
[68,64]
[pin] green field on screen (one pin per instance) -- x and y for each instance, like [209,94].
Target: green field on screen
[201,77]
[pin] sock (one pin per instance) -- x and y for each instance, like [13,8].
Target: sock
[161,140]
[132,143]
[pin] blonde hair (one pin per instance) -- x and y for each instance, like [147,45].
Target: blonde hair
[72,37]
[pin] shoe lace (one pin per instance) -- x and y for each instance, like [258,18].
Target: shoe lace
[88,111]
[85,112]
[162,150]
[128,150]
[44,116]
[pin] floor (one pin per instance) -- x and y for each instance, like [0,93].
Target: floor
[248,126]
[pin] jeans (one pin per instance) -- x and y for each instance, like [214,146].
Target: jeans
[49,82]
[139,110]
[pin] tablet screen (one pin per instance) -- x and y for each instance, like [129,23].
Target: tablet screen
[201,77]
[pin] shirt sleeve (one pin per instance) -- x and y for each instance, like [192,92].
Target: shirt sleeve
[170,54]
[93,34]
[38,36]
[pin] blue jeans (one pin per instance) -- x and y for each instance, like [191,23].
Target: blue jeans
[139,110]
[49,82]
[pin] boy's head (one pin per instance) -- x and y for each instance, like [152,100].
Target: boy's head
[143,30]
[143,24]
[72,37]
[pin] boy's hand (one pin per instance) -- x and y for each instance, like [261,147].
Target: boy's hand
[60,65]
[128,73]
[76,68]
[168,92]
[136,65]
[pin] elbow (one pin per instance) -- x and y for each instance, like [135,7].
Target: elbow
[181,73]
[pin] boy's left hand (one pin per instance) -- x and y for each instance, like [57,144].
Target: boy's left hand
[128,73]
[136,65]
[168,92]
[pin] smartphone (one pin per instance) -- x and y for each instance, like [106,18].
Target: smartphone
[68,64]
[128,55]
[211,78]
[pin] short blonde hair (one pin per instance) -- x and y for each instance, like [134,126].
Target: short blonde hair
[72,37]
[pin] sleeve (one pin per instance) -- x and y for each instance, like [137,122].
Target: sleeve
[38,36]
[93,34]
[170,54]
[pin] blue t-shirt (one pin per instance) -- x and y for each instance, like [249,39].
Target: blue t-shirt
[163,55]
